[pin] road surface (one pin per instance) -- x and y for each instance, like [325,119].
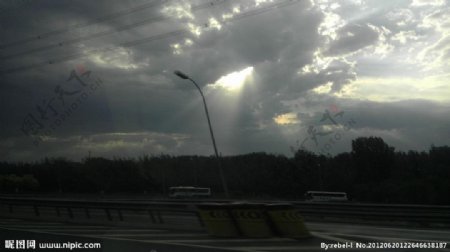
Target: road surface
[162,240]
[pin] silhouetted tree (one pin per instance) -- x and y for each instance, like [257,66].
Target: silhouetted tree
[372,171]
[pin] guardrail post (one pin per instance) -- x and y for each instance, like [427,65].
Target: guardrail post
[36,210]
[200,220]
[120,215]
[108,214]
[152,216]
[86,211]
[158,214]
[70,212]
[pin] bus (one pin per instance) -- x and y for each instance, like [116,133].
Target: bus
[189,192]
[325,196]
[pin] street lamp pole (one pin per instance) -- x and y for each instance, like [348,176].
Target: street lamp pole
[222,175]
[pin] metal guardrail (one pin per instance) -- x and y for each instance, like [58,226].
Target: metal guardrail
[84,210]
[159,213]
[425,215]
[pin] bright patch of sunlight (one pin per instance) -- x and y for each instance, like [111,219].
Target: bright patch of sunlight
[259,2]
[433,88]
[120,57]
[179,11]
[213,23]
[194,29]
[235,80]
[288,118]
[177,48]
[323,89]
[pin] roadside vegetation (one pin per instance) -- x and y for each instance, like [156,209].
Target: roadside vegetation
[371,172]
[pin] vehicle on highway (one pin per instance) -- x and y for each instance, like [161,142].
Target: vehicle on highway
[325,196]
[189,192]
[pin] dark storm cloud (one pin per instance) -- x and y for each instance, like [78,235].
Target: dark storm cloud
[143,108]
[406,125]
[262,41]
[352,38]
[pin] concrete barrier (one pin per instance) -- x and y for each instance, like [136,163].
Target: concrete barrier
[287,221]
[251,220]
[218,220]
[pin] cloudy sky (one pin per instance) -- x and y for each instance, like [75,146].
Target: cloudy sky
[80,77]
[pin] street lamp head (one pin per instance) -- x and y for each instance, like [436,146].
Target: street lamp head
[181,75]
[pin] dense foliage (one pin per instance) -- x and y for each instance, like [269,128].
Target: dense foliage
[371,172]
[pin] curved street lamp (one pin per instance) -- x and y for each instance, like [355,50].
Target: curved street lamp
[222,176]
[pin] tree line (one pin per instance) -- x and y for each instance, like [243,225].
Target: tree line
[371,172]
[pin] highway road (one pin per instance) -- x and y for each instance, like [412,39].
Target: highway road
[113,238]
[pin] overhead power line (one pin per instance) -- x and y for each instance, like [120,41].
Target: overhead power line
[79,55]
[85,24]
[105,33]
[132,43]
